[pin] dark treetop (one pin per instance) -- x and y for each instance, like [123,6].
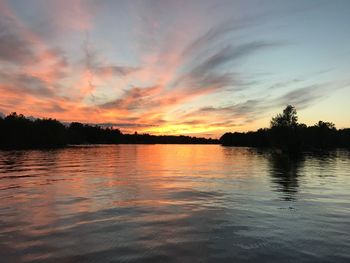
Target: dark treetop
[19,132]
[287,134]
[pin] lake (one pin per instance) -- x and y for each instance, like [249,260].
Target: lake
[173,203]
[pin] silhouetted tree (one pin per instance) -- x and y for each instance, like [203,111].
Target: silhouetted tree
[322,135]
[19,132]
[288,119]
[325,125]
[288,135]
[49,133]
[343,137]
[284,130]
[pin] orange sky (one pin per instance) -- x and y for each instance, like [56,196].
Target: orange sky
[177,67]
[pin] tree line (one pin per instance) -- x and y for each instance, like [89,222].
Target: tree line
[287,134]
[19,132]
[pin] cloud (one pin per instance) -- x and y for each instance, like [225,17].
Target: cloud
[285,84]
[134,98]
[156,75]
[55,107]
[253,109]
[207,75]
[14,48]
[96,65]
[20,46]
[230,53]
[224,30]
[98,70]
[27,65]
[303,97]
[115,70]
[59,18]
[24,84]
[245,111]
[178,75]
[203,77]
[214,34]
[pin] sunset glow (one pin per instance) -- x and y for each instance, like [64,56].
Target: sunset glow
[175,67]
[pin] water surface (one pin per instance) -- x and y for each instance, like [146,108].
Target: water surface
[173,203]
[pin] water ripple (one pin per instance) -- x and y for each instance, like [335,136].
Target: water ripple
[173,203]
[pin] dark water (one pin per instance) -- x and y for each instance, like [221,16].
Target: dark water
[173,203]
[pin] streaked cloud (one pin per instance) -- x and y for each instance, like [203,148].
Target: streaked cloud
[194,67]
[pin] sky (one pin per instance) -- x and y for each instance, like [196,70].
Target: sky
[199,68]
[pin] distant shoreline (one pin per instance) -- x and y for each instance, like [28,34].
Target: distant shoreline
[287,135]
[20,133]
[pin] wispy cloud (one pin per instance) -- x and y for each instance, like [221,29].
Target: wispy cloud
[25,84]
[134,98]
[160,66]
[250,110]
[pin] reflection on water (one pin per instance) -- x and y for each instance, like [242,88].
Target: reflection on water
[285,171]
[173,203]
